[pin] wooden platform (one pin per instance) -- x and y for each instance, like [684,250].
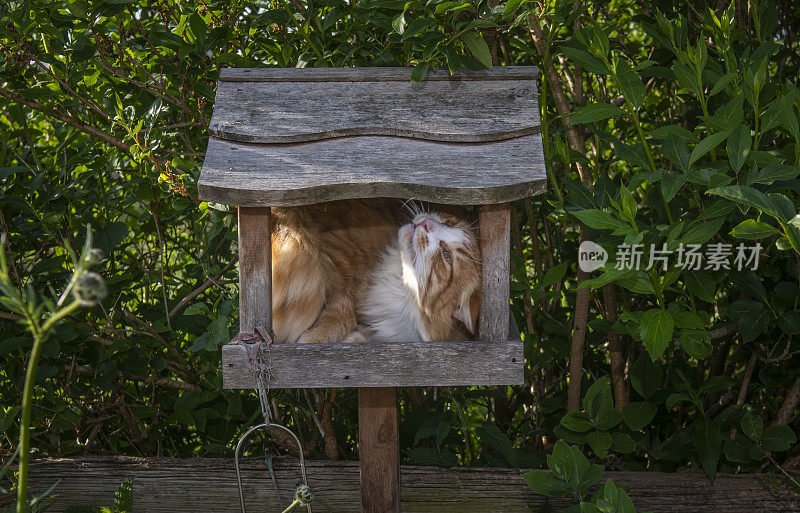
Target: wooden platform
[375,364]
[163,485]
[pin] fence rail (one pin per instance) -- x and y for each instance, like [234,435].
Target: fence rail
[166,485]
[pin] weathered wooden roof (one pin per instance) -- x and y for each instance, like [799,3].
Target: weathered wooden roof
[283,136]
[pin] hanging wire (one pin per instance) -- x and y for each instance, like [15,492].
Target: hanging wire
[261,358]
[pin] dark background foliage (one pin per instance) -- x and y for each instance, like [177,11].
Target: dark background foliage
[684,130]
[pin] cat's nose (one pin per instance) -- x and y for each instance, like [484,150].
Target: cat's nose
[427,224]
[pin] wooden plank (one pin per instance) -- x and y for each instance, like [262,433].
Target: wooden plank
[371,167]
[292,112]
[376,364]
[495,234]
[373,74]
[255,264]
[165,485]
[378,450]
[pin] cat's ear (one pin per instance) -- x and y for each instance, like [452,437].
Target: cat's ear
[467,311]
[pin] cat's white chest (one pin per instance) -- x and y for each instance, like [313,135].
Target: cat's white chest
[391,308]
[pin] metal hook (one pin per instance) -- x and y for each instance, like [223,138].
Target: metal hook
[240,444]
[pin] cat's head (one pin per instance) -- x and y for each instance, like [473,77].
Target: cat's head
[441,262]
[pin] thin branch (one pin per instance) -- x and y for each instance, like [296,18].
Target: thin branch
[70,120]
[199,290]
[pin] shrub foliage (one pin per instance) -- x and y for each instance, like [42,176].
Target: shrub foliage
[666,125]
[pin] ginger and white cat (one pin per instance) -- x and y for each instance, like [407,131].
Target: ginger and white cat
[348,271]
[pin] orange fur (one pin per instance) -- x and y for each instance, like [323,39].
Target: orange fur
[324,260]
[321,257]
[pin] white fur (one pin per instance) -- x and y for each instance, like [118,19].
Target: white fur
[391,306]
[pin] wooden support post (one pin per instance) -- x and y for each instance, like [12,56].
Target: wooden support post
[495,234]
[378,450]
[255,269]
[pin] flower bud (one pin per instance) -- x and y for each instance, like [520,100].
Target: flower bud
[89,289]
[303,494]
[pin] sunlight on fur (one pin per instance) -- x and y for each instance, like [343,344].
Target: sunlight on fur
[378,269]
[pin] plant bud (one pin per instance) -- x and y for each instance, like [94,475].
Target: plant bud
[89,289]
[303,494]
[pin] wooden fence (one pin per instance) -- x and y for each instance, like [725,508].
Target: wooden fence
[166,485]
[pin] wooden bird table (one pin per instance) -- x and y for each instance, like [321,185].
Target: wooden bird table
[289,137]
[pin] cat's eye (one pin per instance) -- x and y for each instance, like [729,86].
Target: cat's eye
[446,254]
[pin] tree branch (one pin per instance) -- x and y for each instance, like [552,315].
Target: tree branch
[199,290]
[70,120]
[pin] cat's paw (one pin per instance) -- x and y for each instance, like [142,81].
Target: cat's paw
[307,338]
[355,336]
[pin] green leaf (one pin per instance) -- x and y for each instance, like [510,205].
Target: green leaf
[752,229]
[416,27]
[623,443]
[594,112]
[419,72]
[511,7]
[83,49]
[497,440]
[399,23]
[597,219]
[576,421]
[752,426]
[545,483]
[628,204]
[600,442]
[707,144]
[739,144]
[554,274]
[638,414]
[112,235]
[701,284]
[588,62]
[674,148]
[778,438]
[597,396]
[701,233]
[790,322]
[674,399]
[656,329]
[671,183]
[746,196]
[686,77]
[697,343]
[708,444]
[198,27]
[720,84]
[478,47]
[688,320]
[770,174]
[630,83]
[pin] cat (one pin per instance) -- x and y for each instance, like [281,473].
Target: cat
[352,271]
[426,286]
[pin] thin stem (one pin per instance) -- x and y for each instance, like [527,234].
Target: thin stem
[40,336]
[650,159]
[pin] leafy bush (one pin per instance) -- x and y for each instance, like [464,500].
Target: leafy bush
[662,125]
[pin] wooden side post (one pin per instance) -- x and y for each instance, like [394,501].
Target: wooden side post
[255,269]
[378,450]
[495,234]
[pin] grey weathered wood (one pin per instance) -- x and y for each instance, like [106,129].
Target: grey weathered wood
[377,364]
[376,74]
[255,264]
[456,111]
[370,167]
[164,485]
[379,450]
[495,235]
